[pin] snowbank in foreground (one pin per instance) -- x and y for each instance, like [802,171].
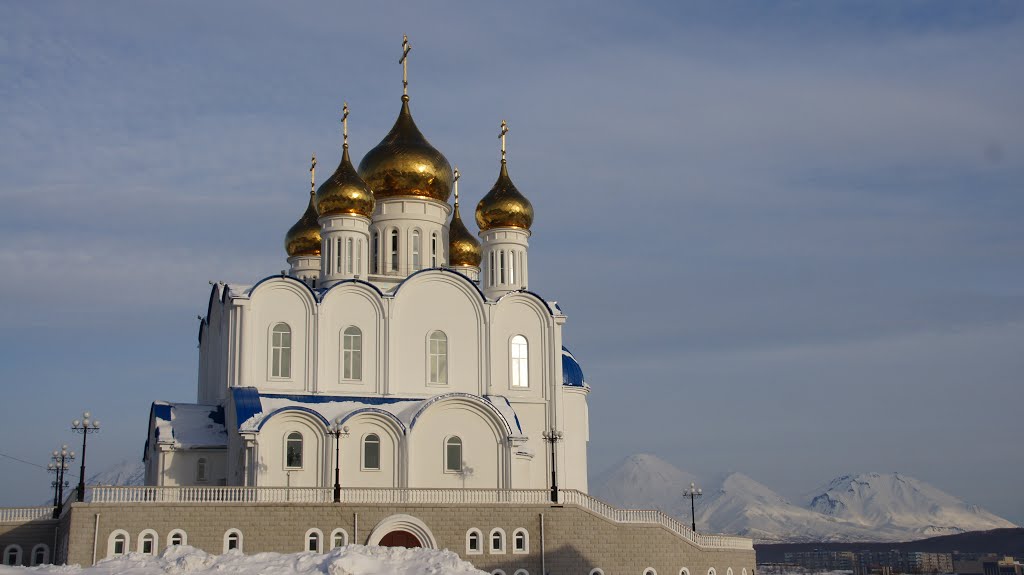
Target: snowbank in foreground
[351,560]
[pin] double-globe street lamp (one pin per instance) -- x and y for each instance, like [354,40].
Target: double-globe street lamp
[553,436]
[61,463]
[693,492]
[85,426]
[338,431]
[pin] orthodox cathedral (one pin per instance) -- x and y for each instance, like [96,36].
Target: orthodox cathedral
[398,384]
[396,343]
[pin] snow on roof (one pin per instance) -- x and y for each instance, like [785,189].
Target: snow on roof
[189,424]
[254,409]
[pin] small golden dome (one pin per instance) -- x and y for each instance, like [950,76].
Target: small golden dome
[405,164]
[303,239]
[504,206]
[345,192]
[463,248]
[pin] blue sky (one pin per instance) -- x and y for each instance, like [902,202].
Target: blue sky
[787,235]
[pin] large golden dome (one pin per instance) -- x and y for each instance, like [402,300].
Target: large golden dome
[405,164]
[504,206]
[303,239]
[463,248]
[345,192]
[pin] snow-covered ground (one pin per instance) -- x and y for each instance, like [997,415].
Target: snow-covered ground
[350,560]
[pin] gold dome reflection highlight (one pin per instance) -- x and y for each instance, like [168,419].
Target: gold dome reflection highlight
[504,206]
[303,238]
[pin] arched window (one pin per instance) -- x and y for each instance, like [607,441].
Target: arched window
[501,266]
[352,353]
[281,351]
[117,543]
[490,266]
[433,249]
[177,537]
[650,571]
[437,351]
[474,543]
[596,571]
[339,538]
[232,540]
[293,451]
[394,250]
[684,571]
[497,540]
[375,249]
[417,262]
[711,571]
[728,571]
[12,555]
[520,354]
[453,454]
[359,256]
[40,554]
[520,541]
[313,540]
[201,470]
[521,572]
[371,452]
[512,267]
[147,542]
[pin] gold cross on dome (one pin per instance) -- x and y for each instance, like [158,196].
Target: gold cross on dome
[312,174]
[456,182]
[344,123]
[504,130]
[404,61]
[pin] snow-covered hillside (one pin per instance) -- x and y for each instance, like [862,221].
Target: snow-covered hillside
[351,560]
[127,472]
[866,507]
[893,501]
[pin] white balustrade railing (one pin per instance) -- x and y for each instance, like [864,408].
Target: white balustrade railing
[22,514]
[356,495]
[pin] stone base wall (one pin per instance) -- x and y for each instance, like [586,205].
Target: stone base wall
[575,541]
[27,535]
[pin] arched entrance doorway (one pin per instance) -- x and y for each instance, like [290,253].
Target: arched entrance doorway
[400,538]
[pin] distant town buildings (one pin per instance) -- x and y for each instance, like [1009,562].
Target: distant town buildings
[895,562]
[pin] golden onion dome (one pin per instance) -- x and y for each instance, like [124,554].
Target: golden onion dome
[303,239]
[504,206]
[463,248]
[345,192]
[405,164]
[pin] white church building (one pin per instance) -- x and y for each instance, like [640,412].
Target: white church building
[395,339]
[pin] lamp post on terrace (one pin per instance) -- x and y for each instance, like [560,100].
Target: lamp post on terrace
[553,436]
[338,431]
[693,492]
[85,427]
[61,458]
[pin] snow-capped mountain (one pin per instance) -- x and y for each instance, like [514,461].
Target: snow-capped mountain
[893,501]
[866,507]
[127,472]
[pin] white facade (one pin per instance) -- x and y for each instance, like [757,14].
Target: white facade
[437,379]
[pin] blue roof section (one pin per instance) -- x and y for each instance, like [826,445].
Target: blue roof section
[572,373]
[247,403]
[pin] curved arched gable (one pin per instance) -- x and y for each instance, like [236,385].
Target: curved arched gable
[501,425]
[273,301]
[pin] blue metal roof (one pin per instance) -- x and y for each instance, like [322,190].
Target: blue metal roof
[247,403]
[572,373]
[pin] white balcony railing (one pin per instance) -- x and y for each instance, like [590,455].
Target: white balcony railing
[231,495]
[22,514]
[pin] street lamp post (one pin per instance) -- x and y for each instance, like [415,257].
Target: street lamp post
[693,492]
[553,436]
[85,427]
[61,458]
[338,431]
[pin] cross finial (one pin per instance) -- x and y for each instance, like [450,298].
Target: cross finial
[344,123]
[404,61]
[312,174]
[457,176]
[504,130]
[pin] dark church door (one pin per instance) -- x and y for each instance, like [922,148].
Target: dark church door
[400,539]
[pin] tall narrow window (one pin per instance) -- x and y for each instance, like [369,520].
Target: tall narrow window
[359,257]
[512,268]
[394,250]
[417,262]
[520,354]
[327,256]
[349,254]
[293,450]
[501,267]
[453,454]
[375,253]
[437,350]
[352,353]
[340,255]
[371,452]
[281,351]
[201,470]
[433,249]
[490,266]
